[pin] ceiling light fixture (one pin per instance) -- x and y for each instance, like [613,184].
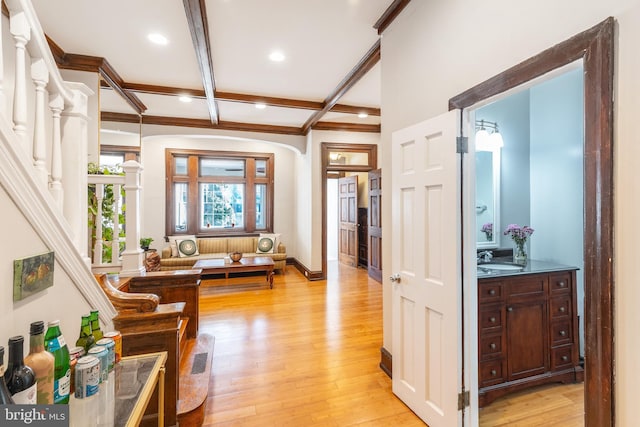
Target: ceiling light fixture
[276,56]
[363,115]
[261,105]
[485,140]
[158,39]
[185,98]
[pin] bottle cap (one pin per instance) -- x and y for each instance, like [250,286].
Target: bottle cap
[54,323]
[16,339]
[36,328]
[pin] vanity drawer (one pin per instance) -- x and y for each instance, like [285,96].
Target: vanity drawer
[490,347]
[561,357]
[489,291]
[527,288]
[491,372]
[491,318]
[560,307]
[560,283]
[561,333]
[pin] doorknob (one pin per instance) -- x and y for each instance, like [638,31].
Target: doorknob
[395,278]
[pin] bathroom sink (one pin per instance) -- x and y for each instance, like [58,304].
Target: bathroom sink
[504,267]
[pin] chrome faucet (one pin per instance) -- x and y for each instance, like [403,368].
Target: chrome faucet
[484,256]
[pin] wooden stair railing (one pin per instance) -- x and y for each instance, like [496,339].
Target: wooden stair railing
[148,326]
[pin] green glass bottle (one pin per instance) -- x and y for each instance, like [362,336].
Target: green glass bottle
[95,325]
[86,339]
[54,343]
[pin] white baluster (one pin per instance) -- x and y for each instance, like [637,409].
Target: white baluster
[3,107]
[21,34]
[56,104]
[117,203]
[97,248]
[40,76]
[132,257]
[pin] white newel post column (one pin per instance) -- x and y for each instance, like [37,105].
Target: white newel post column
[56,103]
[74,166]
[133,256]
[40,76]
[21,33]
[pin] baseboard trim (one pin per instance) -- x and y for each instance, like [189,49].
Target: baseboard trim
[386,362]
[310,275]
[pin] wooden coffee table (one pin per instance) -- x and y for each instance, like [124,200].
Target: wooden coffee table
[251,264]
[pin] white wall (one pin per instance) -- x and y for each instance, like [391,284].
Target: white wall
[436,50]
[153,182]
[62,301]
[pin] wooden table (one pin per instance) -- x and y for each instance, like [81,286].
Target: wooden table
[245,265]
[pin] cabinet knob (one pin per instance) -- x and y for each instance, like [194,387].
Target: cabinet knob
[563,333]
[492,319]
[492,292]
[492,346]
[562,309]
[561,284]
[565,358]
[493,372]
[509,308]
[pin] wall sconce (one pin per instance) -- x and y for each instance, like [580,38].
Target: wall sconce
[488,137]
[334,157]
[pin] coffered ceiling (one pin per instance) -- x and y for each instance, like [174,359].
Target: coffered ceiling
[217,53]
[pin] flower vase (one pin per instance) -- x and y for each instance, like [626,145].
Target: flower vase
[519,254]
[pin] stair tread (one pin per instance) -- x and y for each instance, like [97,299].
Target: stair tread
[195,372]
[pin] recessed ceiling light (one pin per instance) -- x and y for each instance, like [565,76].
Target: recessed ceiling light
[363,115]
[261,105]
[158,39]
[185,98]
[276,56]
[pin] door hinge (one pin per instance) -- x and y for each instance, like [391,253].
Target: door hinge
[462,144]
[463,400]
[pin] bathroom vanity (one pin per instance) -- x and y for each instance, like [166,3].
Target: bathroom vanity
[527,327]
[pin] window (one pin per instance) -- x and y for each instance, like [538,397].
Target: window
[218,193]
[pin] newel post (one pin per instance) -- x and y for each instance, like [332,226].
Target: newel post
[74,166]
[133,256]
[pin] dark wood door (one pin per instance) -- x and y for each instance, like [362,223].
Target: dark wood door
[527,342]
[348,220]
[375,225]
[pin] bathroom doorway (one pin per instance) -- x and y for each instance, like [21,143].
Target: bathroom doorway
[595,48]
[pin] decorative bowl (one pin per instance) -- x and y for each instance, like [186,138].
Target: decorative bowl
[235,256]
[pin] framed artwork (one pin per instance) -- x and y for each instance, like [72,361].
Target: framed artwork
[32,275]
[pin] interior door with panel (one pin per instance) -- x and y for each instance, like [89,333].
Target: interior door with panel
[426,285]
[374,233]
[348,220]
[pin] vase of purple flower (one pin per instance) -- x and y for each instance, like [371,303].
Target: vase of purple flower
[519,236]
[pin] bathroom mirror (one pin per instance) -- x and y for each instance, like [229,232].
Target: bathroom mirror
[488,198]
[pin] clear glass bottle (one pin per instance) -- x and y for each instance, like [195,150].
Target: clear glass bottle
[54,343]
[5,395]
[86,339]
[22,382]
[95,325]
[42,362]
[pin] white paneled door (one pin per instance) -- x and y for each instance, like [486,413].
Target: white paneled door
[425,262]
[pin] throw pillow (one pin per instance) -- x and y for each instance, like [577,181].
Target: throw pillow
[174,245]
[187,248]
[267,243]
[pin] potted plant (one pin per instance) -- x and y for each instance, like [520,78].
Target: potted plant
[145,242]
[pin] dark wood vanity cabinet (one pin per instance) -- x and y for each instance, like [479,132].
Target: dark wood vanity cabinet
[527,332]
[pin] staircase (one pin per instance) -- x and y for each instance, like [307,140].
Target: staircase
[43,169]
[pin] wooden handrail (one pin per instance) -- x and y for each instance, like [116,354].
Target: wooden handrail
[127,302]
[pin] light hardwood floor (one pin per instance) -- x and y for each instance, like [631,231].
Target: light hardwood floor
[302,354]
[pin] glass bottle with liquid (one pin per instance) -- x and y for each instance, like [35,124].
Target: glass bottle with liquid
[5,394]
[86,339]
[54,343]
[42,362]
[21,380]
[95,325]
